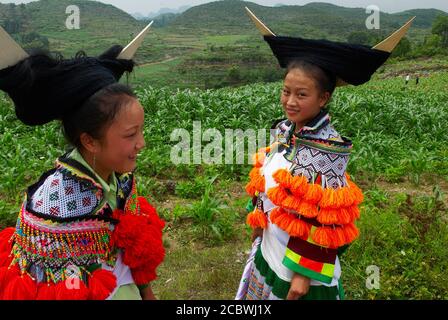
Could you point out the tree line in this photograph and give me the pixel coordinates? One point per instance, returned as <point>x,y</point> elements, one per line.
<point>435,43</point>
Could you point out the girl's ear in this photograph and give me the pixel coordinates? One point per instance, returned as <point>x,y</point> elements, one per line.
<point>89,143</point>
<point>324,99</point>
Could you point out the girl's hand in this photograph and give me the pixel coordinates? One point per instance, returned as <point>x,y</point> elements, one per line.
<point>147,293</point>
<point>299,287</point>
<point>257,232</point>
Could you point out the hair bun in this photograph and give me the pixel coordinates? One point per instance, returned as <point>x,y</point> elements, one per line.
<point>112,52</point>
<point>44,88</point>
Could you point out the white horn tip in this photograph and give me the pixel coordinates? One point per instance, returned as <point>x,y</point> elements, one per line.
<point>265,31</point>
<point>129,51</point>
<point>11,53</point>
<point>389,44</point>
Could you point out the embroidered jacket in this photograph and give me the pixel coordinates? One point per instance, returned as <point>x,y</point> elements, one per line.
<point>65,230</point>
<point>314,201</point>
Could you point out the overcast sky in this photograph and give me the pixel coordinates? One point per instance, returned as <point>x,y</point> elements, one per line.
<point>147,6</point>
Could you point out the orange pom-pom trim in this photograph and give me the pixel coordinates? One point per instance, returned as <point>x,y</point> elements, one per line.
<point>283,178</point>
<point>291,203</point>
<point>330,206</point>
<point>334,216</point>
<point>257,219</point>
<point>356,192</point>
<point>350,232</point>
<point>334,237</point>
<point>259,157</point>
<point>314,193</point>
<point>354,212</point>
<point>299,186</point>
<point>277,195</point>
<point>290,223</point>
<point>256,182</point>
<point>340,206</point>
<point>307,209</point>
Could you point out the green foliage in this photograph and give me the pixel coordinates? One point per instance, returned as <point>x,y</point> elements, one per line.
<point>403,236</point>
<point>192,189</point>
<point>360,37</point>
<point>153,188</point>
<point>403,48</point>
<point>212,219</point>
<point>101,25</point>
<point>229,65</point>
<point>398,132</point>
<point>11,26</point>
<point>33,40</point>
<point>440,27</point>
<point>8,214</point>
<point>164,19</point>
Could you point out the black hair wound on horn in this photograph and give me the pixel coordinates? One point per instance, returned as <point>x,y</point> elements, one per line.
<point>352,63</point>
<point>44,88</point>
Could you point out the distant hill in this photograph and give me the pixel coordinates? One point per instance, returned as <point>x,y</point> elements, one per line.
<point>311,20</point>
<point>167,10</point>
<point>163,19</point>
<point>425,17</point>
<point>103,24</point>
<point>161,12</point>
<point>210,45</point>
<point>100,24</point>
<point>138,16</point>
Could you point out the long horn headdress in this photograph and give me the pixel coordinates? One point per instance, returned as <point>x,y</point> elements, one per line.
<point>387,45</point>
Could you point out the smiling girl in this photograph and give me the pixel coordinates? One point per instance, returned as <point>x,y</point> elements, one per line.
<point>304,140</point>
<point>306,91</point>
<point>304,204</point>
<point>82,231</point>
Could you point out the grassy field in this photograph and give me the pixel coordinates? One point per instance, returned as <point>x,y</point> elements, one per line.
<point>399,159</point>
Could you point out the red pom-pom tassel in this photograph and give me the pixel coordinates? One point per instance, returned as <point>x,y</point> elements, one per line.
<point>71,289</point>
<point>140,237</point>
<point>5,237</point>
<point>46,291</point>
<point>101,284</point>
<point>144,275</point>
<point>19,287</point>
<point>5,259</point>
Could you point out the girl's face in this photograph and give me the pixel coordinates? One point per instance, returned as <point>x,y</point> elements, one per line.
<point>118,148</point>
<point>301,98</point>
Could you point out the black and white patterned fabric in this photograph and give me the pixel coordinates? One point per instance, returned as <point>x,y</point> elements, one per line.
<point>331,166</point>
<point>326,155</point>
<point>64,196</point>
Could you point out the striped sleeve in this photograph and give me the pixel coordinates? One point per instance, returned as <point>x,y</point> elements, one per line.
<point>310,260</point>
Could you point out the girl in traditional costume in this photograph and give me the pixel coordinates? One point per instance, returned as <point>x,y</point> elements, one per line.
<point>304,204</point>
<point>82,231</point>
